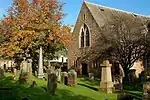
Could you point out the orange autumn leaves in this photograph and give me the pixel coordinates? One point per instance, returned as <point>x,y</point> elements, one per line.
<point>31,20</point>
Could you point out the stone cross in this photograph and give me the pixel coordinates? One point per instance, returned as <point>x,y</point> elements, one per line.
<point>106,83</point>
<point>40,68</point>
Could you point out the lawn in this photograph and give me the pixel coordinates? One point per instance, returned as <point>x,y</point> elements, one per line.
<point>39,92</point>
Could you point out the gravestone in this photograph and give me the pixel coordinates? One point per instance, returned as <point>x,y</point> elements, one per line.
<point>1,72</point>
<point>146,89</point>
<point>132,76</point>
<point>58,73</point>
<point>91,76</point>
<point>24,66</point>
<point>124,96</point>
<point>118,78</point>
<point>72,78</point>
<point>52,83</point>
<point>64,78</point>
<point>106,84</point>
<point>40,67</point>
<point>14,73</point>
<point>30,66</point>
<point>33,84</point>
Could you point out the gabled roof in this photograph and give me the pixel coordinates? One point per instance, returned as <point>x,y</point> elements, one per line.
<point>102,13</point>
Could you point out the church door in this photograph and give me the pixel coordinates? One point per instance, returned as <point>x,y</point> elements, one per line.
<point>84,69</point>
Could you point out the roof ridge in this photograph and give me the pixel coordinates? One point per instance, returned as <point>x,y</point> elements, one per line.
<point>116,9</point>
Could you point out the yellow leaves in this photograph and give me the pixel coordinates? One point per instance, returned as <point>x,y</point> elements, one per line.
<point>34,23</point>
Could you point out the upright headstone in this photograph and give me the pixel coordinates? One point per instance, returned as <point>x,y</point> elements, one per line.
<point>91,76</point>
<point>24,66</point>
<point>146,89</point>
<point>72,78</point>
<point>40,68</point>
<point>64,78</point>
<point>1,72</point>
<point>30,66</point>
<point>106,83</point>
<point>58,73</point>
<point>14,73</point>
<point>52,83</point>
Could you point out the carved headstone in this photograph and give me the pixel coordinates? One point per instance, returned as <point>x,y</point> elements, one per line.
<point>132,76</point>
<point>146,88</point>
<point>72,78</point>
<point>64,78</point>
<point>52,83</point>
<point>1,72</point>
<point>91,76</point>
<point>30,66</point>
<point>33,84</point>
<point>14,73</point>
<point>24,66</point>
<point>58,73</point>
<point>106,83</point>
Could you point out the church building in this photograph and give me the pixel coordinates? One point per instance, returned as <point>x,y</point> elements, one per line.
<point>89,40</point>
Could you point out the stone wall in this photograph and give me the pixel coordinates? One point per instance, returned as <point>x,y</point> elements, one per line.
<point>74,51</point>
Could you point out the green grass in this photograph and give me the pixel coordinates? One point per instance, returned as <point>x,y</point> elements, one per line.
<point>83,91</point>
<point>38,93</point>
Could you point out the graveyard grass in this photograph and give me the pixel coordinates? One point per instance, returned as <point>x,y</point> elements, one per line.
<point>39,92</point>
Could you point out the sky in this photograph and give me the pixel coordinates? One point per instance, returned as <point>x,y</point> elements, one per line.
<point>72,7</point>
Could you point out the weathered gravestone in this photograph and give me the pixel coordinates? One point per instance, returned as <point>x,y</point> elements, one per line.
<point>64,78</point>
<point>118,78</point>
<point>25,72</point>
<point>124,96</point>
<point>132,76</point>
<point>1,72</point>
<point>14,73</point>
<point>24,66</point>
<point>52,83</point>
<point>72,78</point>
<point>33,84</point>
<point>29,66</point>
<point>106,83</point>
<point>91,76</point>
<point>146,89</point>
<point>58,73</point>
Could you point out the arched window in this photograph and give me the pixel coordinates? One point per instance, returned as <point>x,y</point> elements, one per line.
<point>87,37</point>
<point>82,38</point>
<point>148,26</point>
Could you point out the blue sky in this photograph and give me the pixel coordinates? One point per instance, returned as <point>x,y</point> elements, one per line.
<point>72,7</point>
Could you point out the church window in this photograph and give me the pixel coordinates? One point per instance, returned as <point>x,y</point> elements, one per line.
<point>84,17</point>
<point>85,36</point>
<point>148,27</point>
<point>82,38</point>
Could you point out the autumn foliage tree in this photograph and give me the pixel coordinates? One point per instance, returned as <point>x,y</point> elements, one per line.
<point>31,24</point>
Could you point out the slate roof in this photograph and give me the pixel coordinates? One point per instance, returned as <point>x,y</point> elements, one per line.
<point>102,13</point>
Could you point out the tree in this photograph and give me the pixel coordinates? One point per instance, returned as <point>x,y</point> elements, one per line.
<point>34,23</point>
<point>127,41</point>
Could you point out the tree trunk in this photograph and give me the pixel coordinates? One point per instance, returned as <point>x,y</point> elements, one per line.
<point>126,72</point>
